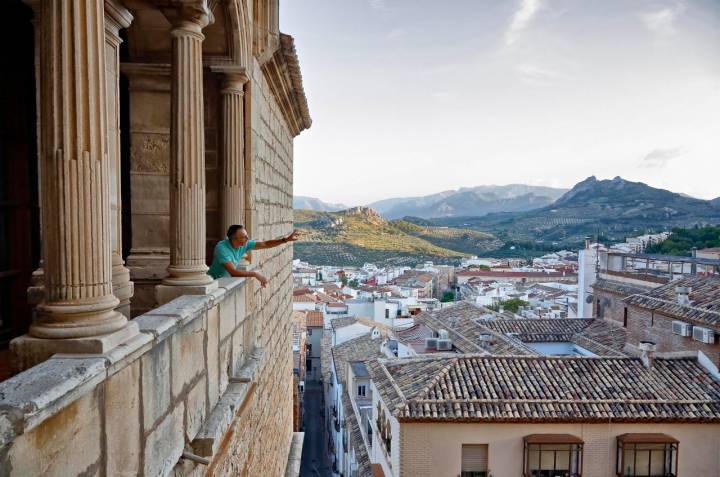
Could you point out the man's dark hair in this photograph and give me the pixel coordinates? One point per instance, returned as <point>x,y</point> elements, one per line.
<point>234,228</point>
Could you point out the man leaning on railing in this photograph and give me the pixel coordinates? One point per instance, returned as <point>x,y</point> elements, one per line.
<point>229,252</point>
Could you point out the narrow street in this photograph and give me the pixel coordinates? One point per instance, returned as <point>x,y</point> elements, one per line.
<point>314,462</point>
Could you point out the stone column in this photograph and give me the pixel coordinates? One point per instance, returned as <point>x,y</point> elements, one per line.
<point>232,191</point>
<point>77,313</point>
<point>187,272</point>
<point>116,17</point>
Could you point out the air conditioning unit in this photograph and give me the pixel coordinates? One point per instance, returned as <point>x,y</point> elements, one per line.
<point>431,343</point>
<point>681,328</point>
<point>444,345</point>
<point>443,334</point>
<point>703,334</point>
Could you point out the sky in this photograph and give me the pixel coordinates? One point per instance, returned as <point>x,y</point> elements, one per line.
<point>413,97</point>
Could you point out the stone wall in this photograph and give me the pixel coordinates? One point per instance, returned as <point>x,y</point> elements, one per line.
<point>211,375</point>
<point>263,434</point>
<point>175,387</point>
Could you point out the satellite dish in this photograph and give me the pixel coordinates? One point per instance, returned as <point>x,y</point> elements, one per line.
<point>589,299</point>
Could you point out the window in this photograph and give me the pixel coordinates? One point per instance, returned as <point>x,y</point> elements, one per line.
<point>308,365</point>
<point>474,460</point>
<point>551,455</point>
<point>625,318</point>
<point>646,455</point>
<point>387,313</point>
<point>308,348</point>
<point>309,331</point>
<point>361,390</point>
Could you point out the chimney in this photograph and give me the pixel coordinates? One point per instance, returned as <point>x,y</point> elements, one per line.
<point>683,295</point>
<point>587,243</point>
<point>694,252</point>
<point>647,353</point>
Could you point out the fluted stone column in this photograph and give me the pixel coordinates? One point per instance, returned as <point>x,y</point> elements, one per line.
<point>232,191</point>
<point>187,272</point>
<point>78,310</point>
<point>116,17</point>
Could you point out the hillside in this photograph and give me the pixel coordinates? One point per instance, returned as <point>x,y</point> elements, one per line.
<point>311,203</point>
<point>360,235</point>
<point>616,208</point>
<point>474,201</point>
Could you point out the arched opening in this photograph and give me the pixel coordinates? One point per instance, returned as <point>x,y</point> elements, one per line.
<point>19,212</point>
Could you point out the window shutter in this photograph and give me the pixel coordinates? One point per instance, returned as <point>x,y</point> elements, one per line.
<point>475,458</point>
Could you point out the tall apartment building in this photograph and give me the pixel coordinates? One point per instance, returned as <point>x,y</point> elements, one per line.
<point>153,125</point>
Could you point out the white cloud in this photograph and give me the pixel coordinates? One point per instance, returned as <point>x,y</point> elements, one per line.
<point>536,75</point>
<point>521,19</point>
<point>658,158</point>
<point>662,22</point>
<point>378,4</point>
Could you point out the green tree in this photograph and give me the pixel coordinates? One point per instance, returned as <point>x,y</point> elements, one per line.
<point>354,283</point>
<point>448,296</point>
<point>513,305</point>
<point>682,241</point>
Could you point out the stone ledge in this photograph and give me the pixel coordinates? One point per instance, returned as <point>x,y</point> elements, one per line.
<point>295,455</point>
<point>29,398</point>
<point>208,439</point>
<point>184,308</point>
<point>120,356</point>
<point>230,283</point>
<point>248,373</point>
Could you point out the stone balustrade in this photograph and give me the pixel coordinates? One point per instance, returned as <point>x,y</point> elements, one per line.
<point>178,386</point>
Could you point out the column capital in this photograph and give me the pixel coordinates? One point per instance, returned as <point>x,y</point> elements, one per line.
<point>186,15</point>
<point>233,78</point>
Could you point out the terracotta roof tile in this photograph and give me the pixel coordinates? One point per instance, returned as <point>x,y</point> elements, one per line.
<point>546,389</point>
<point>314,318</point>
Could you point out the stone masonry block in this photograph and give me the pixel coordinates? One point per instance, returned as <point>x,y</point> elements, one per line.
<point>212,351</point>
<point>164,445</point>
<point>225,365</point>
<point>68,443</point>
<point>195,409</point>
<point>227,315</point>
<point>155,366</point>
<point>188,355</point>
<point>122,422</point>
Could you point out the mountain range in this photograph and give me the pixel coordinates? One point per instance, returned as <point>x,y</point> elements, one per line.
<point>469,201</point>
<point>311,203</point>
<point>615,209</point>
<point>466,201</point>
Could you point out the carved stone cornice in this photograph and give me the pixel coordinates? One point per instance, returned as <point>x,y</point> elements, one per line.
<point>282,72</point>
<point>117,16</point>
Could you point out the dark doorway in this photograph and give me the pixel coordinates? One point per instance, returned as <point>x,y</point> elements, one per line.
<point>19,212</point>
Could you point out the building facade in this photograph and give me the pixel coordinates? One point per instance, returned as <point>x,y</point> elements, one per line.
<point>153,125</point>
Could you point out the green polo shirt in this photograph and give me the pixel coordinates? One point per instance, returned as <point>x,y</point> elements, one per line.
<point>224,253</point>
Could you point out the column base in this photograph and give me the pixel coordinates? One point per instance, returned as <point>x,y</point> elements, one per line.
<point>28,350</point>
<point>166,293</point>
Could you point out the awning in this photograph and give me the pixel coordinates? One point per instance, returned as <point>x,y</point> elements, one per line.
<point>647,438</point>
<point>552,439</point>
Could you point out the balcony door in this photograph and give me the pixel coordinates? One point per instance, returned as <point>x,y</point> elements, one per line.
<point>19,223</point>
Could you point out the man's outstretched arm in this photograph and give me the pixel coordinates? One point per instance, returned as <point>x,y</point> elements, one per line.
<point>234,272</point>
<point>274,243</point>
